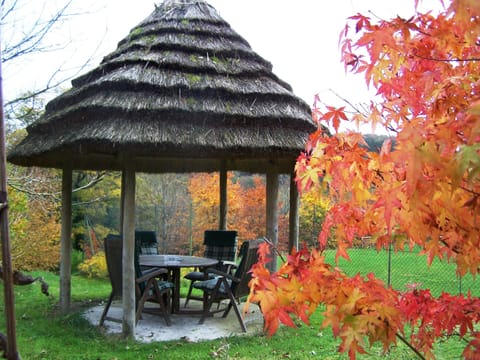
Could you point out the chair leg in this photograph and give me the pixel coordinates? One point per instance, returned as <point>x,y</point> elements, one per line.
<point>212,297</point>
<point>233,303</point>
<point>167,301</point>
<point>105,310</point>
<point>165,307</point>
<point>206,310</point>
<point>140,305</point>
<point>227,309</point>
<point>159,298</point>
<point>187,299</point>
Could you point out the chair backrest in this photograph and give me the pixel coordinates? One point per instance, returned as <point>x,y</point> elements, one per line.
<point>113,255</point>
<point>248,257</point>
<point>113,245</point>
<point>220,244</point>
<point>147,242</point>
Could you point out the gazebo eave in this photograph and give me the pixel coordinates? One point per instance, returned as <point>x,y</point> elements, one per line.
<point>173,164</point>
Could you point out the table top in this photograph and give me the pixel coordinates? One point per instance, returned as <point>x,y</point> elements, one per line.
<point>176,261</point>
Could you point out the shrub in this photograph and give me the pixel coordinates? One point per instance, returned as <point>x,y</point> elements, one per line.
<point>34,232</point>
<point>95,267</point>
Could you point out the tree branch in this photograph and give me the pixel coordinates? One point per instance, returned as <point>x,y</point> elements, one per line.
<point>32,40</point>
<point>447,60</point>
<point>410,346</point>
<point>99,177</point>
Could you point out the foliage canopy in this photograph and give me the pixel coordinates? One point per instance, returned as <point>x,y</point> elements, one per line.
<point>424,192</point>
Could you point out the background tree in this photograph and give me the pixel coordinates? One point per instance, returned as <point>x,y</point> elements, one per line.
<point>204,191</point>
<point>313,207</point>
<point>375,142</point>
<point>23,41</point>
<point>95,206</point>
<point>34,220</point>
<point>246,206</point>
<point>36,189</point>
<point>425,192</point>
<point>164,205</point>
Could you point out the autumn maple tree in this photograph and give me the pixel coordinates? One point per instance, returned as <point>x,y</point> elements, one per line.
<point>424,191</point>
<point>246,205</point>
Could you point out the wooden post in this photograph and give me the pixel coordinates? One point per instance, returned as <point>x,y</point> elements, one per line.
<point>66,241</point>
<point>128,232</point>
<point>293,214</point>
<point>272,213</point>
<point>122,201</point>
<point>222,225</point>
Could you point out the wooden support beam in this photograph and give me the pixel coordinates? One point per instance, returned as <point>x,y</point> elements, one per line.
<point>222,225</point>
<point>293,222</point>
<point>66,241</point>
<point>128,233</point>
<point>272,213</point>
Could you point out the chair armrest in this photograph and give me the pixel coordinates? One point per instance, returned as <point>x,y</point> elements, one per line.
<point>231,264</point>
<point>228,266</point>
<point>153,273</point>
<point>221,274</point>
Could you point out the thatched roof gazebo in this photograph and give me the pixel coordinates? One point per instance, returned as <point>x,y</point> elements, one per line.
<point>182,92</point>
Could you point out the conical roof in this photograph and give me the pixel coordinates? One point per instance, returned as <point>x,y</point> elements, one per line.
<point>181,92</point>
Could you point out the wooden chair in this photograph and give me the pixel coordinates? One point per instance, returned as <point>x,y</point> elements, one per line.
<point>148,287</point>
<point>228,287</point>
<point>147,241</point>
<point>220,245</point>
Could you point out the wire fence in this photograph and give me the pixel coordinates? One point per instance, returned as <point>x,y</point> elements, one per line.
<point>404,269</point>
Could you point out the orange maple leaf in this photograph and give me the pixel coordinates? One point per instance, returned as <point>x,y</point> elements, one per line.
<point>336,115</point>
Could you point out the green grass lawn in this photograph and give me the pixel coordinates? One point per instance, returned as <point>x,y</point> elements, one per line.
<point>44,334</point>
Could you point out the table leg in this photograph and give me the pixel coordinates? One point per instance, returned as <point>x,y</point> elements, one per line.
<point>205,295</point>
<point>176,290</point>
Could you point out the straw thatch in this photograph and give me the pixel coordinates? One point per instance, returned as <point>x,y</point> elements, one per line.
<point>182,92</point>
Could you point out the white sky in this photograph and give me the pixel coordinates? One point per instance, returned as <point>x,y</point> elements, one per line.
<point>300,39</point>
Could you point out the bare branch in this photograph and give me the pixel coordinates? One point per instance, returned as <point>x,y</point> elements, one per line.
<point>27,185</point>
<point>354,107</point>
<point>99,177</point>
<point>34,193</point>
<point>33,39</point>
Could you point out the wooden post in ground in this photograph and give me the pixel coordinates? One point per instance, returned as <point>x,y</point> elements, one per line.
<point>223,197</point>
<point>128,234</point>
<point>293,214</point>
<point>272,213</point>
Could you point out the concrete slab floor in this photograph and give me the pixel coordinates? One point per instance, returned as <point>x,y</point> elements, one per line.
<point>152,328</point>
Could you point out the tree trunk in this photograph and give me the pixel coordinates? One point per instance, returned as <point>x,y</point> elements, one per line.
<point>9,298</point>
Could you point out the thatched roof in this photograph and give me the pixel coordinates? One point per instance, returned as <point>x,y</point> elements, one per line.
<point>181,92</point>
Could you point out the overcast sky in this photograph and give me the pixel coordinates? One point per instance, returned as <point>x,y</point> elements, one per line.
<point>300,38</point>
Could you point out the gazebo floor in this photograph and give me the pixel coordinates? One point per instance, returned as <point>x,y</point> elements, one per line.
<point>152,328</point>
